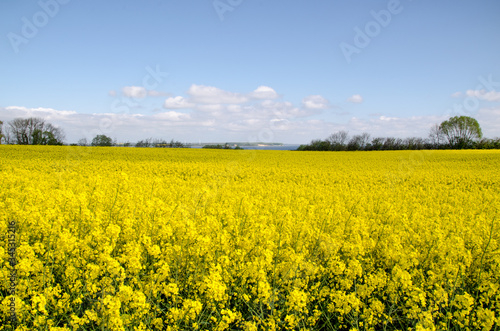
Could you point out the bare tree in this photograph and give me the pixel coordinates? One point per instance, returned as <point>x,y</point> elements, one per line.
<point>364,139</point>
<point>83,142</point>
<point>338,140</point>
<point>20,131</point>
<point>409,143</point>
<point>354,143</point>
<point>420,143</point>
<point>145,143</point>
<point>34,131</point>
<point>390,143</point>
<point>436,136</point>
<point>358,142</point>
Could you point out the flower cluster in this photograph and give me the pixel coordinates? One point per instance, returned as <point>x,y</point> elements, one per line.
<point>177,239</point>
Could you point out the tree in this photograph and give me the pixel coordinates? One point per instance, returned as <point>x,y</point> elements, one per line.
<point>355,143</point>
<point>358,142</point>
<point>35,131</point>
<point>144,143</point>
<point>389,143</point>
<point>377,143</point>
<point>83,142</point>
<point>436,136</point>
<point>338,140</point>
<point>1,135</point>
<point>461,131</point>
<point>320,145</point>
<point>102,140</point>
<point>364,139</point>
<point>178,144</point>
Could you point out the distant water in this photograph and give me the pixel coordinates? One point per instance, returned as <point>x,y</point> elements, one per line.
<point>269,148</point>
<point>273,148</point>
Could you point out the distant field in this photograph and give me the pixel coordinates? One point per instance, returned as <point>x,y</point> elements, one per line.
<point>177,239</point>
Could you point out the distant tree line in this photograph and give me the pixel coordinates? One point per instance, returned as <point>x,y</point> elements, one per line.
<point>160,143</point>
<point>219,146</point>
<point>105,141</point>
<point>36,131</point>
<point>459,132</point>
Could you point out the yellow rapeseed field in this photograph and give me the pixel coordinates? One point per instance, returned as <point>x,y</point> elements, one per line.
<point>192,239</point>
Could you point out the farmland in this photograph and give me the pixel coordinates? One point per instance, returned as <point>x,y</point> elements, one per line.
<point>140,239</point>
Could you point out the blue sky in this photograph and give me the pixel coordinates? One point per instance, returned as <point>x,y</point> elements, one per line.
<point>242,70</point>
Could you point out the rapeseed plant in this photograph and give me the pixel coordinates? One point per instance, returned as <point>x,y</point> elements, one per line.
<point>155,239</point>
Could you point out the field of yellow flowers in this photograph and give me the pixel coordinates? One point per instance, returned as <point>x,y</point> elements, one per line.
<point>192,239</point>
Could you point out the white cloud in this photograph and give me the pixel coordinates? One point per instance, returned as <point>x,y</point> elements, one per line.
<point>235,108</point>
<point>211,114</point>
<point>356,98</point>
<point>138,92</point>
<point>134,92</point>
<point>483,95</point>
<point>112,93</point>
<point>457,95</point>
<point>212,108</point>
<point>177,103</point>
<point>281,121</point>
<point>489,119</point>
<point>214,95</point>
<point>284,109</point>
<point>386,118</point>
<point>315,102</point>
<point>172,116</point>
<point>225,106</point>
<point>280,124</point>
<point>393,126</point>
<point>47,113</point>
<point>264,92</point>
